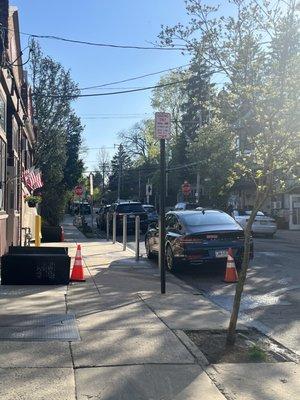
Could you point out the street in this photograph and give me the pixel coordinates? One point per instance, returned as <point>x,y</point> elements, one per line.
<point>272,292</point>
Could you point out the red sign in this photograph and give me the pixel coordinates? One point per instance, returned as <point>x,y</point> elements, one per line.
<point>186,188</point>
<point>78,190</point>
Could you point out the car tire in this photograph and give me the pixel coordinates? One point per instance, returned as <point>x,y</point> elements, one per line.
<point>171,263</point>
<point>149,253</point>
<point>238,264</point>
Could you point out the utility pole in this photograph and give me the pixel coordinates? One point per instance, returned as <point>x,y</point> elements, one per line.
<point>120,171</point>
<point>103,174</point>
<point>198,187</point>
<point>139,184</point>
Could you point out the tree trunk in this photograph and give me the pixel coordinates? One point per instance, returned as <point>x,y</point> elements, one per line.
<point>231,334</point>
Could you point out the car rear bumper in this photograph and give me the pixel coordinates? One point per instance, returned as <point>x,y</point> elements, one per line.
<point>264,229</point>
<point>209,255</point>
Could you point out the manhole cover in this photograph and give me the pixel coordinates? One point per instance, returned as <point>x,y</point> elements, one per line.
<point>39,327</point>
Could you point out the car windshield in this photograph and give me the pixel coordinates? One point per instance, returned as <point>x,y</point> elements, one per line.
<point>206,218</point>
<point>128,208</point>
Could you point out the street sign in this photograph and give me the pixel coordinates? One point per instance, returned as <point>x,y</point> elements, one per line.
<point>162,125</point>
<point>148,189</point>
<point>78,190</point>
<point>186,188</point>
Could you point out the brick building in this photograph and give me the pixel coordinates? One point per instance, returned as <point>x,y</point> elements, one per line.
<point>17,134</point>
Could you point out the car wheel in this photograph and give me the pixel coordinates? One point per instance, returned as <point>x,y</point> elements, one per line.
<point>238,264</point>
<point>149,253</point>
<point>170,260</point>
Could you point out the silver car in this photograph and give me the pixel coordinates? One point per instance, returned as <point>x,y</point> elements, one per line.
<point>262,224</point>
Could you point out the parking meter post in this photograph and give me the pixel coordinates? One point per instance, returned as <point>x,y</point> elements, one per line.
<point>107,226</point>
<point>162,227</point>
<point>114,232</point>
<point>124,232</point>
<point>37,232</point>
<point>137,237</point>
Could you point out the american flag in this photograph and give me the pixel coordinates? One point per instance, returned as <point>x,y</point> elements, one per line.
<point>32,178</point>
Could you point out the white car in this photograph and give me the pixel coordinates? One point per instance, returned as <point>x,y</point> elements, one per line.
<point>262,224</point>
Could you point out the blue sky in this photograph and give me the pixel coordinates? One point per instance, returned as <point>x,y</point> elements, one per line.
<point>134,22</point>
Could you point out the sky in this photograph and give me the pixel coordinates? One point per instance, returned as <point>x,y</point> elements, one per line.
<point>128,22</point>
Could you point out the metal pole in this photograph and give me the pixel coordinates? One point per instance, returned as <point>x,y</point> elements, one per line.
<point>198,187</point>
<point>114,232</point>
<point>119,173</point>
<point>162,227</point>
<point>107,226</point>
<point>124,232</point>
<point>137,238</point>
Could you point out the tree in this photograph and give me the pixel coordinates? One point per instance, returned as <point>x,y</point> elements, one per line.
<point>74,165</point>
<point>121,164</point>
<point>140,143</point>
<point>59,131</point>
<point>257,50</point>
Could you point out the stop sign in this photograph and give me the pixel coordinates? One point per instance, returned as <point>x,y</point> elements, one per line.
<point>78,190</point>
<point>186,188</point>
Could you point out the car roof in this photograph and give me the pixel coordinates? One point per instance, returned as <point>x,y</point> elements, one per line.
<point>192,212</point>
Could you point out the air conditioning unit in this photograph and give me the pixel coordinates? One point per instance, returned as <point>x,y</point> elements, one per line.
<point>276,205</point>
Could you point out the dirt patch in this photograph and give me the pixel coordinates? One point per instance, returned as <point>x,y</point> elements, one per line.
<point>251,346</point>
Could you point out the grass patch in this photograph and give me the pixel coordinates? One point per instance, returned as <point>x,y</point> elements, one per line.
<point>255,353</point>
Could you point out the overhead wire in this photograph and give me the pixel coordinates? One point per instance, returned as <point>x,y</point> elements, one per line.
<point>110,93</point>
<point>134,78</point>
<point>111,45</point>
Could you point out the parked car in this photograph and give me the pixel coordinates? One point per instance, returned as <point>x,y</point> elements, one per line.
<point>185,206</point>
<point>131,209</point>
<point>262,224</point>
<point>198,237</point>
<point>151,212</point>
<point>101,216</point>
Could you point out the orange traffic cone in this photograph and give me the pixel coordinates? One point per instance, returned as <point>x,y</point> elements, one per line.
<point>77,271</point>
<point>231,275</point>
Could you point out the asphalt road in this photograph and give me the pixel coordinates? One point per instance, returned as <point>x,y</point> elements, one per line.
<point>271,299</point>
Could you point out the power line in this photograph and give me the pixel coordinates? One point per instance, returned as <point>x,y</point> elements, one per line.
<point>112,45</point>
<point>134,78</point>
<point>110,93</point>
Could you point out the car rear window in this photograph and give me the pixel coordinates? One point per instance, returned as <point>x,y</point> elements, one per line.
<point>149,209</point>
<point>128,208</point>
<point>207,218</point>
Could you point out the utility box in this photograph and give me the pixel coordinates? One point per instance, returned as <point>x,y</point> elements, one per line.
<point>35,266</point>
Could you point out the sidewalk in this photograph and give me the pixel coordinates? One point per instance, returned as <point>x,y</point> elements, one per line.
<point>132,346</point>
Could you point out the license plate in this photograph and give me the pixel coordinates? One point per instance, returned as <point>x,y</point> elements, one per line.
<point>131,216</point>
<point>221,253</point>
<point>264,222</point>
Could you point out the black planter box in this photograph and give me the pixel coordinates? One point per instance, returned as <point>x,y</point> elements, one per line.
<point>35,266</point>
<point>52,233</point>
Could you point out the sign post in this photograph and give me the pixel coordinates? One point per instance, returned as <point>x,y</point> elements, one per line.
<point>162,132</point>
<point>148,191</point>
<point>92,197</point>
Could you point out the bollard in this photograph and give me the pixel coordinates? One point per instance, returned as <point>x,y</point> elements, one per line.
<point>107,226</point>
<point>37,232</point>
<point>114,232</point>
<point>124,231</point>
<point>137,238</point>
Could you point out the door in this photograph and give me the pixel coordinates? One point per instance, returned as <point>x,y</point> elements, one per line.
<point>294,211</point>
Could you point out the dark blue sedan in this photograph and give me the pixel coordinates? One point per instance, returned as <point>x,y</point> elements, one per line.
<point>197,237</point>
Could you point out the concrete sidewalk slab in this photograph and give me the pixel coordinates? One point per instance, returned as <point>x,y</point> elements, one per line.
<point>37,384</point>
<point>129,346</point>
<point>119,281</point>
<point>127,316</point>
<point>25,291</point>
<point>32,306</point>
<point>34,354</point>
<point>139,382</point>
<point>261,381</point>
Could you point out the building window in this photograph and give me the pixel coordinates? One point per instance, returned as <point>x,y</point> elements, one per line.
<point>2,173</point>
<point>2,114</point>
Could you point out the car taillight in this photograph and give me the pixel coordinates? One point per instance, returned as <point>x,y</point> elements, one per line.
<point>189,239</point>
